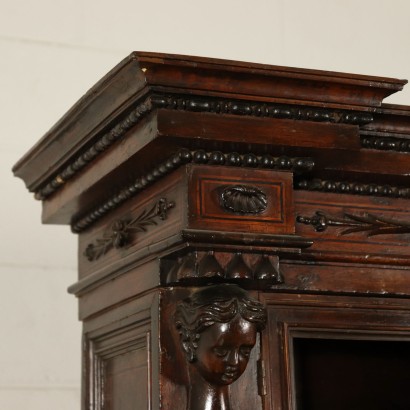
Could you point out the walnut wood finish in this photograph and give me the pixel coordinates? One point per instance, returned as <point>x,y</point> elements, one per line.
<point>185,177</point>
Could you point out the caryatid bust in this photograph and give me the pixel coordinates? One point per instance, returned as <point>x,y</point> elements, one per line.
<point>218,327</point>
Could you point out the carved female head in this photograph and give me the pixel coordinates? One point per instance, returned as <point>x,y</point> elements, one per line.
<point>218,326</point>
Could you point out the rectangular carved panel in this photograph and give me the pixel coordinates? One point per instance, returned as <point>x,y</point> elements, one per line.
<point>238,199</point>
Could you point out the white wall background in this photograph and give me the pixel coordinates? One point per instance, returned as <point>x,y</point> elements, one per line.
<point>52,51</point>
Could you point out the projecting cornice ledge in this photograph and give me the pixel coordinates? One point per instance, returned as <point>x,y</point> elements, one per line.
<point>119,100</point>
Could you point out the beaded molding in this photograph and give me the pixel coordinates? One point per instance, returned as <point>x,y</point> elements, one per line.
<point>108,139</point>
<point>353,188</point>
<point>385,143</point>
<point>197,104</point>
<point>257,109</point>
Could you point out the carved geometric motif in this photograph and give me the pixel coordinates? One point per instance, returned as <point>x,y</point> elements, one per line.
<point>223,267</point>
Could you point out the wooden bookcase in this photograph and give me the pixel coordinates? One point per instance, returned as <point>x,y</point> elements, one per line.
<point>186,178</point>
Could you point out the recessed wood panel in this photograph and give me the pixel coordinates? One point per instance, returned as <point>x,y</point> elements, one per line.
<point>118,356</point>
<point>272,188</point>
<point>126,381</point>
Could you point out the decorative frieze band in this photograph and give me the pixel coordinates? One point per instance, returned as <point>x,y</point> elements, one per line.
<point>206,265</point>
<point>185,156</point>
<point>353,188</point>
<point>370,224</point>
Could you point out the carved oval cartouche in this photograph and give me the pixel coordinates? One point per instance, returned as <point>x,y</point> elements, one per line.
<point>244,199</point>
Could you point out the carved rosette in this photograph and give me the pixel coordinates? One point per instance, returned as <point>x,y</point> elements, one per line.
<point>243,199</point>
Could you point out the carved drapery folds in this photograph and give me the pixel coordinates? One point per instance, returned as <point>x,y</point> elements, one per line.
<point>218,326</point>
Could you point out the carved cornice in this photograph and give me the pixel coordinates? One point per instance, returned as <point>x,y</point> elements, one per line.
<point>385,143</point>
<point>370,224</point>
<point>197,104</point>
<point>353,188</point>
<point>121,230</point>
<point>107,139</point>
<point>185,156</point>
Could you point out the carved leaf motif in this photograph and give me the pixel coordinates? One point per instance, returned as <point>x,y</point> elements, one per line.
<point>244,199</point>
<point>121,230</point>
<point>372,225</point>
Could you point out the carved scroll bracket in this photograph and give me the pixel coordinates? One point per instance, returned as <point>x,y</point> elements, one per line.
<point>121,229</point>
<point>370,224</point>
